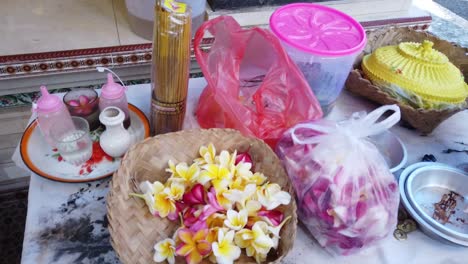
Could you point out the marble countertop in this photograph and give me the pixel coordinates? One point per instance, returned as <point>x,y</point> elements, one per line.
<point>66,223</point>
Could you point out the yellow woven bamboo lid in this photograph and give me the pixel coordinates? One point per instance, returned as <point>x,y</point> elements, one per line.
<point>417,68</point>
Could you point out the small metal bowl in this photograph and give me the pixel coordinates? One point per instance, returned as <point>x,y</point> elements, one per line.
<point>392,149</point>
<point>423,225</point>
<point>426,186</point>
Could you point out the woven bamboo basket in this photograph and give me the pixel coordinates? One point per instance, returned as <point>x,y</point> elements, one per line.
<point>423,120</point>
<point>134,231</point>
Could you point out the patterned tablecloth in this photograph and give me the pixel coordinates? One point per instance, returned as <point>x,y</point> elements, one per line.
<point>66,223</point>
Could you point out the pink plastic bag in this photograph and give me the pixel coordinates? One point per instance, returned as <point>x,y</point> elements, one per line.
<point>253,86</point>
<point>347,197</point>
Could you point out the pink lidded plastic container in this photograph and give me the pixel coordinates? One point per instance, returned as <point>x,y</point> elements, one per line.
<point>323,42</point>
<point>113,94</point>
<point>51,111</point>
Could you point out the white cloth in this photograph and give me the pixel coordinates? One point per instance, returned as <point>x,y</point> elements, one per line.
<point>66,222</point>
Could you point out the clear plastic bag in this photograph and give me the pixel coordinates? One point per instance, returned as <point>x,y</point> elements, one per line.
<point>253,86</point>
<point>347,197</point>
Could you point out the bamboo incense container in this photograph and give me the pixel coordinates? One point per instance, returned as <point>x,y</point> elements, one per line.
<point>170,65</point>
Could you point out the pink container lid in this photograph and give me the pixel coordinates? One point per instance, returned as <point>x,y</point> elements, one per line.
<point>318,29</point>
<point>112,90</point>
<point>48,103</point>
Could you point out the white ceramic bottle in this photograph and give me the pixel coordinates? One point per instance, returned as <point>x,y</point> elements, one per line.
<point>115,140</point>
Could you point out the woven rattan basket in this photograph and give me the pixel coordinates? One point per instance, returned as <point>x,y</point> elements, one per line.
<point>134,231</point>
<point>421,119</point>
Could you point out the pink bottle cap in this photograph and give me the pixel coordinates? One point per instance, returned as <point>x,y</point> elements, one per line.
<point>318,29</point>
<point>48,103</point>
<point>112,90</point>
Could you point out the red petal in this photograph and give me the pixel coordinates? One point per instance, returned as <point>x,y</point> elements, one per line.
<point>195,196</point>
<point>243,157</point>
<point>275,216</point>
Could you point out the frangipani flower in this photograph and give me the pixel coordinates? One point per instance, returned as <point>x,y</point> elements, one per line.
<point>193,245</point>
<point>275,231</point>
<point>212,207</point>
<point>165,250</point>
<point>149,189</point>
<point>236,220</point>
<point>219,176</point>
<point>224,249</point>
<point>196,195</point>
<point>175,191</point>
<point>273,217</point>
<point>188,175</point>
<point>243,157</point>
<point>258,178</point>
<point>243,170</point>
<point>226,160</point>
<point>257,242</point>
<point>271,196</point>
<point>240,197</point>
<point>166,206</point>
<point>207,155</point>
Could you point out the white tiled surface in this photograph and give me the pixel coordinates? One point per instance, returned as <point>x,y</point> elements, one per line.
<point>28,26</point>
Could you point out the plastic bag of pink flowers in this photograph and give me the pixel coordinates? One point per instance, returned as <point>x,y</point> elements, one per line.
<point>346,195</point>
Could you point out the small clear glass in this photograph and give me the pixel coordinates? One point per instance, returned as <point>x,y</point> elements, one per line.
<point>74,145</point>
<point>84,102</point>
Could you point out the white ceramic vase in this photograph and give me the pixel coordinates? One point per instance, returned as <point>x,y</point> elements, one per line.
<point>115,140</point>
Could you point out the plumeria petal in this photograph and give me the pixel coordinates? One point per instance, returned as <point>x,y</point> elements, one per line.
<point>226,160</point>
<point>196,195</point>
<point>274,217</point>
<point>240,197</point>
<point>271,196</point>
<point>243,157</point>
<point>193,245</point>
<point>165,250</point>
<point>224,249</point>
<point>207,154</point>
<point>185,235</point>
<point>175,191</point>
<point>236,220</point>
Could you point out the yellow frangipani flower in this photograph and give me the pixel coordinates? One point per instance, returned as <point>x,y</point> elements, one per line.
<point>258,178</point>
<point>271,196</point>
<point>207,154</point>
<point>175,191</point>
<point>215,220</point>
<point>236,220</point>
<point>220,177</point>
<point>165,250</point>
<point>256,241</point>
<point>240,197</point>
<point>242,170</point>
<point>224,249</point>
<point>188,175</point>
<point>164,205</point>
<point>149,190</point>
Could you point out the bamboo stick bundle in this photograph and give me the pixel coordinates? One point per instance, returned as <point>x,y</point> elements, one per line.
<point>170,66</point>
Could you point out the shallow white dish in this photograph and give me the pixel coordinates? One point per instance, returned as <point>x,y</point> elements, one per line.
<point>392,149</point>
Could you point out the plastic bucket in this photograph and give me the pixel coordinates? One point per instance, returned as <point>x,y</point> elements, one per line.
<point>323,42</point>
